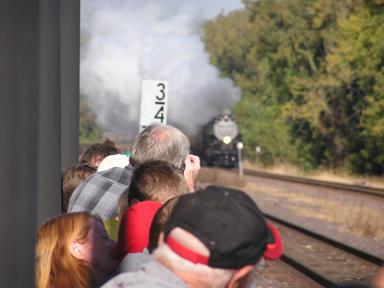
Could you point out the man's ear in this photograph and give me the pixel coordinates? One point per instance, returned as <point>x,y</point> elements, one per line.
<point>161,239</point>
<point>240,277</point>
<point>76,249</point>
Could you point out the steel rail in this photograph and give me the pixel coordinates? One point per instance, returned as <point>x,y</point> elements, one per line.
<point>346,248</point>
<point>312,274</point>
<point>334,185</point>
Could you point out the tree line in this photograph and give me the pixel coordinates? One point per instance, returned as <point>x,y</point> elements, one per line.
<point>90,130</point>
<point>312,80</point>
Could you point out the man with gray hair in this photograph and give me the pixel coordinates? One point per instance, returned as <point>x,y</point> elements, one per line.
<point>99,193</point>
<point>212,238</point>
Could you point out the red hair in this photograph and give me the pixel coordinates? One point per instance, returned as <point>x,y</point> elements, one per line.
<point>54,264</point>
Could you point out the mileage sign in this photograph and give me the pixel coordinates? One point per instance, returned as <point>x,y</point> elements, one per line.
<point>154,100</point>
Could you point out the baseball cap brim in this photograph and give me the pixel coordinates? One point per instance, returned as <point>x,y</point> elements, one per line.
<point>273,251</point>
<point>274,248</point>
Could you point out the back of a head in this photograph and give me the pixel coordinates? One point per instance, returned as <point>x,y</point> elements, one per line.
<point>52,256</point>
<point>228,223</point>
<point>71,178</point>
<point>158,222</point>
<point>95,153</point>
<point>109,146</point>
<point>156,181</point>
<point>161,142</point>
<point>215,237</point>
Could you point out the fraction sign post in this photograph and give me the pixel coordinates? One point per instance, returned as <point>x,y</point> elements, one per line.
<point>154,98</point>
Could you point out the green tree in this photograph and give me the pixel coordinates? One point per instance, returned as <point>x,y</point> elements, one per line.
<point>311,73</point>
<point>267,49</point>
<point>89,129</point>
<point>361,49</point>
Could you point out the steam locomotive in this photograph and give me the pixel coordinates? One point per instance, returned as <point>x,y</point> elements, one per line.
<point>219,141</point>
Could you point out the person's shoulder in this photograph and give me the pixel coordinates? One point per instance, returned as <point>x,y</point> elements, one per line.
<point>89,185</point>
<point>76,196</point>
<point>133,261</point>
<point>93,188</point>
<point>139,279</point>
<point>115,175</point>
<point>118,174</point>
<point>151,275</point>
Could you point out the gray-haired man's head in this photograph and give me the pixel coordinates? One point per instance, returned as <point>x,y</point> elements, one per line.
<point>161,142</point>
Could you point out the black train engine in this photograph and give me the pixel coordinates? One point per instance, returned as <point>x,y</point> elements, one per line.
<point>219,143</point>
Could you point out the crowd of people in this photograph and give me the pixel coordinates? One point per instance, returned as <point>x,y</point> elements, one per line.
<point>171,234</point>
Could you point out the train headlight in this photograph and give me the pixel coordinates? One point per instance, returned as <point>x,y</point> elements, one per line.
<point>227,139</point>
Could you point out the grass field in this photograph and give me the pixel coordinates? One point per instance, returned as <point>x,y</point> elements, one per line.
<point>322,174</point>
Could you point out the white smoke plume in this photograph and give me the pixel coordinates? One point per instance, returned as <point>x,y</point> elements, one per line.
<point>126,41</point>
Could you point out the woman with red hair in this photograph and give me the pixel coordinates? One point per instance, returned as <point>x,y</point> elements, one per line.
<point>73,250</point>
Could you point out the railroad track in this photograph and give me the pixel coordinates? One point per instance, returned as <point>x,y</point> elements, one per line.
<point>334,185</point>
<point>322,262</point>
<point>325,261</point>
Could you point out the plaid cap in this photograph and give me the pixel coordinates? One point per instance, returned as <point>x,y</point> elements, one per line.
<point>228,223</point>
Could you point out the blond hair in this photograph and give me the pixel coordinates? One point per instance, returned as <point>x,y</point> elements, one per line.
<point>54,264</point>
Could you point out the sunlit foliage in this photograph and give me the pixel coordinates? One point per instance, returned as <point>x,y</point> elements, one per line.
<point>312,77</point>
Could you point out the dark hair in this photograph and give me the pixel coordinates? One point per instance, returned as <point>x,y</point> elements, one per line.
<point>71,178</point>
<point>158,222</point>
<point>98,151</point>
<point>156,181</point>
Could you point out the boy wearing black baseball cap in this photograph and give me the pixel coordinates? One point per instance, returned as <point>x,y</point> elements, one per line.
<point>213,238</point>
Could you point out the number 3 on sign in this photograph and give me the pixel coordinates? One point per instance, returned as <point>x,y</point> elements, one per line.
<point>162,92</point>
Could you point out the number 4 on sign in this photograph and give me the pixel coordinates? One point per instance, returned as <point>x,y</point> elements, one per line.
<point>160,114</point>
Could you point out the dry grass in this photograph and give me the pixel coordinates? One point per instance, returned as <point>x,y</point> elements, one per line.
<point>326,175</point>
<point>360,220</point>
<point>356,219</point>
<point>353,217</point>
<point>220,177</point>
